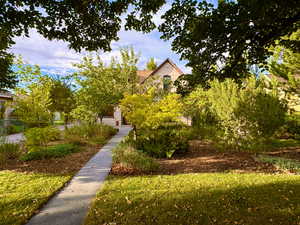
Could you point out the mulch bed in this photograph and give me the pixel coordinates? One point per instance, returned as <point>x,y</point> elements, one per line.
<point>202,157</point>
<point>69,164</point>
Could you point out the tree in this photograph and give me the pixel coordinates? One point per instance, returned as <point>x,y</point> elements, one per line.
<point>62,99</point>
<point>8,78</point>
<point>89,25</point>
<point>102,86</point>
<point>221,42</point>
<point>32,99</point>
<point>285,63</point>
<point>151,65</point>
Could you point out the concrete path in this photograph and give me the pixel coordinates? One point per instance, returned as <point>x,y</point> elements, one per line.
<point>70,206</point>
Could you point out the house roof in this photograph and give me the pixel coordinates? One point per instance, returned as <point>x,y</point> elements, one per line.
<point>6,94</point>
<point>145,74</point>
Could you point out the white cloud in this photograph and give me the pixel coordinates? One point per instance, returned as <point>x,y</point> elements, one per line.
<point>56,54</point>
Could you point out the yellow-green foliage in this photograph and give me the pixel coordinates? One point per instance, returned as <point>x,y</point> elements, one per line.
<point>157,123</point>
<point>41,136</point>
<point>246,114</point>
<point>145,111</point>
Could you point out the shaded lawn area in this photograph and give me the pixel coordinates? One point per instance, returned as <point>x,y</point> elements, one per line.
<point>26,186</point>
<point>204,198</point>
<point>21,194</point>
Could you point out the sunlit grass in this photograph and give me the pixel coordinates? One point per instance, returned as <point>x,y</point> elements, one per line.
<point>22,194</point>
<point>212,198</point>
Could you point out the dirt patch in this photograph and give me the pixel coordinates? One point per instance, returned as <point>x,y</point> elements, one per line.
<point>69,164</point>
<point>202,157</point>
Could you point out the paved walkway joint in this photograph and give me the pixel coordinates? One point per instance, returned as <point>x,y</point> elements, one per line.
<point>70,206</point>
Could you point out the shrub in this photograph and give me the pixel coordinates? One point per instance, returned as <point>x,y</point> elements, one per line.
<point>9,151</point>
<point>129,157</point>
<point>41,136</point>
<point>89,132</point>
<point>13,129</point>
<point>164,142</point>
<point>293,126</point>
<point>56,151</point>
<point>245,116</point>
<point>157,123</point>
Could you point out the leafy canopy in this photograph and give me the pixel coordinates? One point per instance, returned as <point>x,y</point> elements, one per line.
<point>88,25</point>
<point>102,86</point>
<point>151,64</point>
<point>220,42</point>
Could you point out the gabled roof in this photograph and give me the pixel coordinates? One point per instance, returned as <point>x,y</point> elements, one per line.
<point>6,94</point>
<point>145,74</point>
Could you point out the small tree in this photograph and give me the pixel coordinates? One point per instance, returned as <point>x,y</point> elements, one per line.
<point>102,86</point>
<point>151,65</point>
<point>62,99</point>
<point>32,100</point>
<point>156,121</point>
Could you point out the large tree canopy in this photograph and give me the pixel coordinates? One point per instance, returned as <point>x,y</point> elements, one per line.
<point>89,25</point>
<point>217,41</point>
<point>223,41</point>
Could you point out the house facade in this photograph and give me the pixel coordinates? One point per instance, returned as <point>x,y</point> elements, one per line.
<point>166,74</point>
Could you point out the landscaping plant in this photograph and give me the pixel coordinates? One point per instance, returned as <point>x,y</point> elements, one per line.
<point>158,129</point>
<point>130,158</point>
<point>9,151</point>
<point>41,136</point>
<point>55,151</point>
<point>83,133</point>
<point>245,115</point>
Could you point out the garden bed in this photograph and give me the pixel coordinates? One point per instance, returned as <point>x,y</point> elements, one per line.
<point>202,157</point>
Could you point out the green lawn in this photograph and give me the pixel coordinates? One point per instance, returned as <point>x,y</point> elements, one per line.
<point>212,198</point>
<point>22,194</point>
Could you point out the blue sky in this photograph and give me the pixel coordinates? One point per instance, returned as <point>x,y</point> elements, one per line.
<point>56,57</point>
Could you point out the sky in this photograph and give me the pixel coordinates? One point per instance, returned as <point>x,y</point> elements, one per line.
<point>55,57</point>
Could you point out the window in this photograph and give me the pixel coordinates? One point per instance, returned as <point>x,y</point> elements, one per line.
<point>167,82</point>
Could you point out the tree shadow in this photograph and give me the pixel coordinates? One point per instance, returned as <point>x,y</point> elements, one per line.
<point>163,200</point>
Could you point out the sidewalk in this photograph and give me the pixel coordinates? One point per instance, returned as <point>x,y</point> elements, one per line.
<point>70,206</point>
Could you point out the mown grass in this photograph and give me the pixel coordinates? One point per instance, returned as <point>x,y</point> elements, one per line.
<point>212,198</point>
<point>22,194</point>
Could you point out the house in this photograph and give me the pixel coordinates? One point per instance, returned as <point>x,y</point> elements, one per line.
<point>166,73</point>
<point>5,96</point>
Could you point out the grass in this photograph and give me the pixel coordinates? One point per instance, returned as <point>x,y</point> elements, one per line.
<point>281,163</point>
<point>212,198</point>
<point>22,194</point>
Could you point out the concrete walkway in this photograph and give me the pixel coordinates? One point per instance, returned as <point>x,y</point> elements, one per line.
<point>70,206</point>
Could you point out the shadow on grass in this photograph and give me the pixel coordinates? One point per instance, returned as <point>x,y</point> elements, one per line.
<point>198,199</point>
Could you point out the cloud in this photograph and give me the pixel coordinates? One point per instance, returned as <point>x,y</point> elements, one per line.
<point>55,56</point>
